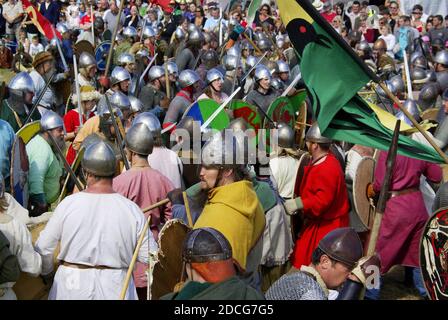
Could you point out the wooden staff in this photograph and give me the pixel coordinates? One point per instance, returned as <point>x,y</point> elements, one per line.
<point>139,244</point>
<point>252,43</point>
<point>384,193</point>
<point>167,80</point>
<point>414,122</point>
<point>114,35</point>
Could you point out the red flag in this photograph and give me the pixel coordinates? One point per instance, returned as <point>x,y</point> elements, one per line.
<point>42,24</point>
<point>164,4</point>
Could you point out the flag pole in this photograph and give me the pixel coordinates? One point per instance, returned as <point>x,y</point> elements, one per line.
<point>380,208</point>
<point>414,122</point>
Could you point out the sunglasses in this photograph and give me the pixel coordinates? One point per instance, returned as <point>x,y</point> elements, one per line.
<point>416,12</point>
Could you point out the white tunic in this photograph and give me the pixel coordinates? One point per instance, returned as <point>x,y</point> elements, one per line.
<point>20,243</point>
<point>284,169</point>
<point>39,85</point>
<point>94,230</point>
<point>168,163</point>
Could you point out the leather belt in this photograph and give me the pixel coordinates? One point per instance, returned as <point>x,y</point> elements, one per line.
<point>83,266</point>
<point>402,192</point>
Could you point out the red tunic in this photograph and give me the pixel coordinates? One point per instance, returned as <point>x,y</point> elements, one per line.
<point>325,206</point>
<point>71,122</point>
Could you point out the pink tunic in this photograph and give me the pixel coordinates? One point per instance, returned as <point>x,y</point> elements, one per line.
<point>145,187</point>
<point>405,215</point>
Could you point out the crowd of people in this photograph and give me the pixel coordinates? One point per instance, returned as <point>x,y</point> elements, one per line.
<point>279,230</point>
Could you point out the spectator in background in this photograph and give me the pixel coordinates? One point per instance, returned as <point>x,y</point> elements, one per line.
<point>50,9</point>
<point>389,38</point>
<point>418,21</point>
<point>263,19</point>
<point>132,19</point>
<point>337,23</point>
<point>394,9</point>
<point>327,12</point>
<point>354,13</point>
<point>385,13</point>
<point>23,42</point>
<point>429,26</point>
<point>110,16</point>
<point>439,31</point>
<point>339,9</point>
<point>13,14</point>
<point>190,14</point>
<point>212,23</point>
<point>200,18</point>
<point>72,15</point>
<point>35,47</point>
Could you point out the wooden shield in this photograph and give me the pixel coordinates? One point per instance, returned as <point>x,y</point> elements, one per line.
<point>19,172</point>
<point>101,53</point>
<point>301,126</point>
<point>430,114</point>
<point>364,175</point>
<point>434,255</point>
<point>167,271</point>
<point>84,46</point>
<point>28,131</point>
<point>296,220</point>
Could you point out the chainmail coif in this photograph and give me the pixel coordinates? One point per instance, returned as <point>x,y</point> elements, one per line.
<point>295,286</point>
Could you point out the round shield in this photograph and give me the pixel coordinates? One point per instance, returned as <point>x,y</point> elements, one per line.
<point>101,53</point>
<point>167,272</point>
<point>202,110</point>
<point>19,172</point>
<point>281,110</point>
<point>299,103</point>
<point>434,255</point>
<point>28,131</point>
<point>84,46</point>
<point>296,220</point>
<point>242,109</point>
<point>363,177</point>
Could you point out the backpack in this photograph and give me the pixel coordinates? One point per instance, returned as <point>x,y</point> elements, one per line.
<point>9,264</point>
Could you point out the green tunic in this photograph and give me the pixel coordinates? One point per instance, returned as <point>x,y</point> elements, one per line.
<point>7,114</point>
<point>45,169</point>
<point>231,289</point>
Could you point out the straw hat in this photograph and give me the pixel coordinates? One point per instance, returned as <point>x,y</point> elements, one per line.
<point>88,93</point>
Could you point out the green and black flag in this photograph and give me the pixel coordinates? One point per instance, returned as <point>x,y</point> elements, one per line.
<point>333,75</point>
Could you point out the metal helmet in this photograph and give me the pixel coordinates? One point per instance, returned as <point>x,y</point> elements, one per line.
<point>230,62</point>
<point>364,47</point>
<point>136,104</point>
<point>431,75</point>
<point>21,83</point>
<point>98,23</point>
<point>192,28</point>
<point>180,34</point>
<point>139,139</point>
<point>99,159</point>
<point>389,86</point>
<point>260,35</point>
<point>283,66</point>
<point>222,152</point>
<point>196,37</point>
<point>210,58</point>
<point>442,57</point>
<point>411,106</point>
<point>428,95</point>
<point>442,80</point>
<point>125,58</point>
<point>118,75</point>
<point>262,72</point>
<point>343,245</point>
<point>277,84</point>
<point>155,73</point>
<point>206,245</point>
<point>414,56</point>
<point>397,83</point>
<point>207,37</point>
<point>187,123</point>
<point>120,100</point>
<point>142,53</point>
<point>280,42</point>
<point>149,32</point>
<point>246,45</point>
<point>286,135</point>
<point>151,121</point>
<point>313,135</point>
<point>238,124</point>
<point>419,76</point>
<point>51,120</point>
<point>234,51</point>
<point>264,44</point>
<point>172,68</point>
<point>273,67</point>
<point>213,75</point>
<point>91,139</point>
<point>420,62</point>
<point>251,61</point>
<point>86,60</point>
<point>61,28</point>
<point>130,32</point>
<point>187,78</point>
<point>401,116</point>
<point>104,113</point>
<point>380,44</point>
